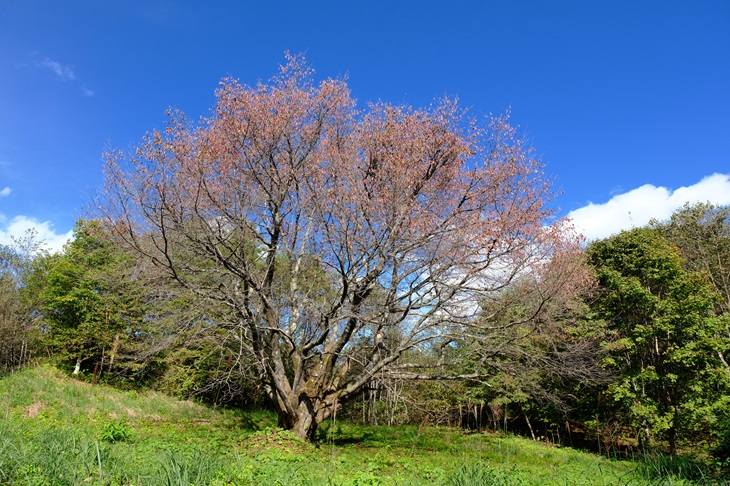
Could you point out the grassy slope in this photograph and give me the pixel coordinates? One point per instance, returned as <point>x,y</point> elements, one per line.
<point>56,430</point>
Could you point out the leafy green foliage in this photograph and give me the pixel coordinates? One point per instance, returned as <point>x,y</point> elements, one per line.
<point>88,298</point>
<point>663,340</point>
<point>19,336</point>
<point>115,432</point>
<point>702,234</point>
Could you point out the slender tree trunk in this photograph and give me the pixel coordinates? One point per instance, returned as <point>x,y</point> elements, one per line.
<point>529,425</point>
<point>646,433</point>
<point>96,370</point>
<point>77,368</point>
<point>115,349</point>
<point>672,432</point>
<point>101,365</point>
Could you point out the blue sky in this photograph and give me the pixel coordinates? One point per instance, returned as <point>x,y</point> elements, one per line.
<point>627,102</point>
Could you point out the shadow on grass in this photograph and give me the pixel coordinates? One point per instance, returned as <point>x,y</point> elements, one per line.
<point>249,420</point>
<point>244,421</point>
<point>331,434</point>
<point>347,440</point>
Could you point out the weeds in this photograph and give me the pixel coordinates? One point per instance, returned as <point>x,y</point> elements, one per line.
<point>115,432</point>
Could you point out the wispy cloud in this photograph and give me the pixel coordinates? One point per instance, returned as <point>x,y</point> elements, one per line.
<point>18,227</point>
<point>5,192</point>
<point>63,72</point>
<point>638,206</point>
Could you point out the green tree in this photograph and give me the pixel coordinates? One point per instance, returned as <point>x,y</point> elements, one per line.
<point>18,331</point>
<point>88,298</point>
<point>702,234</point>
<point>664,329</point>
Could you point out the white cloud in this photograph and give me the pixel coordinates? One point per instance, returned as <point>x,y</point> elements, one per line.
<point>5,192</point>
<point>19,225</point>
<point>64,73</point>
<point>638,206</point>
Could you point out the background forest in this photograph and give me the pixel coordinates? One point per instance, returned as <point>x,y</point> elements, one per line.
<point>638,362</point>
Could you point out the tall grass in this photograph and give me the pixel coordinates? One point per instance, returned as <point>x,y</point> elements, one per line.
<point>188,469</point>
<point>678,469</point>
<point>481,473</point>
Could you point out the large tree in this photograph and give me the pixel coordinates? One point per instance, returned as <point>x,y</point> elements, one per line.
<point>335,241</point>
<point>665,334</point>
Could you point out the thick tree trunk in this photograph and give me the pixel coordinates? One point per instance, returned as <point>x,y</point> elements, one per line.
<point>304,422</point>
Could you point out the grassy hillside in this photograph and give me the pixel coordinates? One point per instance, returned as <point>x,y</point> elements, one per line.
<point>56,430</point>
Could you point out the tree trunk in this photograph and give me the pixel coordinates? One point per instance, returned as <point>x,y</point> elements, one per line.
<point>672,433</point>
<point>645,436</point>
<point>77,368</point>
<point>532,432</point>
<point>304,422</point>
<point>113,354</point>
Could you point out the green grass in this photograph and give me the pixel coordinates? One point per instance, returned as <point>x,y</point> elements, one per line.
<point>55,430</point>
